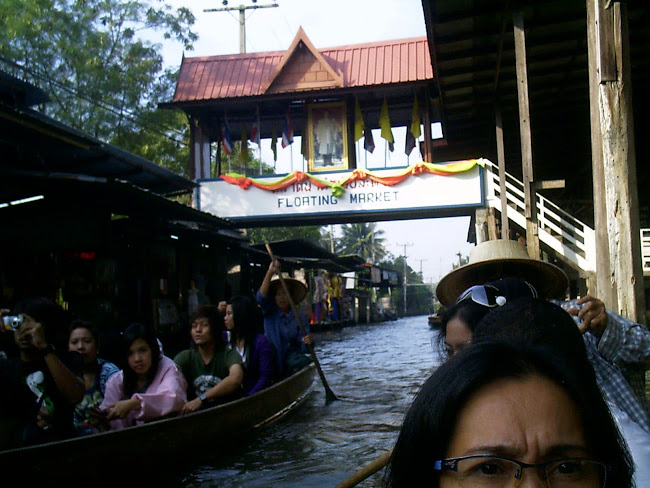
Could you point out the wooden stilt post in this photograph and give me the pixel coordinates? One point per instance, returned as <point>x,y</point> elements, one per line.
<point>532,237</point>
<point>602,288</point>
<point>501,160</point>
<point>612,139</point>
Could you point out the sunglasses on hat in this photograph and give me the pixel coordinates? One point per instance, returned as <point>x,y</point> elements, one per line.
<point>485,295</point>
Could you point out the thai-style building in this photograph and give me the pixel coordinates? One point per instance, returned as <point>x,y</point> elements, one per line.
<point>306,85</point>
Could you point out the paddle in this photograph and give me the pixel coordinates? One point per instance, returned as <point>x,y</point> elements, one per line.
<point>329,394</point>
<point>367,471</point>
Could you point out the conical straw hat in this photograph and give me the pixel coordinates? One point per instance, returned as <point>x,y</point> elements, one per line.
<point>296,287</point>
<point>502,258</point>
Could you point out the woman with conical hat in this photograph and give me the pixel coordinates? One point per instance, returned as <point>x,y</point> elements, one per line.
<point>280,324</point>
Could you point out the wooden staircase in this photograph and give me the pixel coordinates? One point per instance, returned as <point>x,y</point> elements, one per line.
<point>571,240</point>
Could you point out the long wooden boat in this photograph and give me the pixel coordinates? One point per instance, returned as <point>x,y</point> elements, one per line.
<point>158,442</point>
<point>435,321</point>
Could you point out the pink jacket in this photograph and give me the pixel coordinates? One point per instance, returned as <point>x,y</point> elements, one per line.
<point>166,394</point>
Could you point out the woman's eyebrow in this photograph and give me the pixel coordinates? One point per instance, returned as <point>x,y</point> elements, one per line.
<point>511,451</point>
<point>497,449</point>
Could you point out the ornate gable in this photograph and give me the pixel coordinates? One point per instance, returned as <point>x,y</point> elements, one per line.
<point>302,68</point>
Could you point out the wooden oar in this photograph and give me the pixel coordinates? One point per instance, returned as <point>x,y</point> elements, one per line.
<point>367,471</point>
<point>329,394</point>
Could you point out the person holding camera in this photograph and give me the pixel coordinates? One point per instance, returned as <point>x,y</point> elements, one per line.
<point>42,383</point>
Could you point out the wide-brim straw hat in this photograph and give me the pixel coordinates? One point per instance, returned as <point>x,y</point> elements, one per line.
<point>501,258</point>
<point>296,287</point>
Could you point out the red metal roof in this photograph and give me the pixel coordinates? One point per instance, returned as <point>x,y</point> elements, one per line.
<point>244,75</point>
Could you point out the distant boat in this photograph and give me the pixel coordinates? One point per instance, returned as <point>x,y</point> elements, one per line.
<point>435,321</point>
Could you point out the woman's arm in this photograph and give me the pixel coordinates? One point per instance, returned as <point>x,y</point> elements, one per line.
<point>165,395</point>
<point>226,386</point>
<point>71,386</point>
<point>112,396</point>
<point>274,267</point>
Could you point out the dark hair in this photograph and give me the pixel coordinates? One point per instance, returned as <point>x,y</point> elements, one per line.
<point>50,315</point>
<point>84,324</point>
<point>430,421</point>
<point>132,333</point>
<point>247,319</point>
<point>471,313</point>
<point>532,321</point>
<point>215,319</point>
<point>467,311</point>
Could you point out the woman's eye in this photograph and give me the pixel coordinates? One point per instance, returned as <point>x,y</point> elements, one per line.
<point>488,468</point>
<point>568,467</point>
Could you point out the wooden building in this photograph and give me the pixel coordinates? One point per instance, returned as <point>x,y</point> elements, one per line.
<point>303,83</point>
<point>554,91</point>
<point>99,229</point>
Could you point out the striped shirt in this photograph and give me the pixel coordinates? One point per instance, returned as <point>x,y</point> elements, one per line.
<point>620,358</point>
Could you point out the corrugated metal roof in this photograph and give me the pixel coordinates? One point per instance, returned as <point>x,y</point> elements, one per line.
<point>249,74</point>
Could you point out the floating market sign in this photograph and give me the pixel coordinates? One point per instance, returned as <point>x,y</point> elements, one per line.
<point>422,190</point>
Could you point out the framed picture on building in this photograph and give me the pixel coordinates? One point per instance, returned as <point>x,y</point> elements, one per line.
<point>328,142</point>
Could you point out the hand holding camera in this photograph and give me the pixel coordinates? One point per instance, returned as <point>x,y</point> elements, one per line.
<point>12,322</point>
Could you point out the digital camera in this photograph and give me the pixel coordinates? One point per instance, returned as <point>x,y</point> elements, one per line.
<point>12,322</point>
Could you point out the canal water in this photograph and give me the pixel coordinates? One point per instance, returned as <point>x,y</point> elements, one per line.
<point>375,370</point>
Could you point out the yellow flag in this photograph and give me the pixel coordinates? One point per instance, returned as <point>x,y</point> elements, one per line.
<point>415,119</point>
<point>358,122</point>
<point>384,123</point>
<point>244,146</point>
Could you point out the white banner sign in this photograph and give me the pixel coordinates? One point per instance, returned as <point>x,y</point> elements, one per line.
<point>305,199</point>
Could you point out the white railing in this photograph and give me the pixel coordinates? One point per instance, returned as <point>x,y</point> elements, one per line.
<point>645,250</point>
<point>566,235</point>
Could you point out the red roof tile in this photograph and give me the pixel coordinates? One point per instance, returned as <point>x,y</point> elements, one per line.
<point>250,74</point>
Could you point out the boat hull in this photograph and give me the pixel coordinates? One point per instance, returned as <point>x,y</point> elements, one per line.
<point>168,439</point>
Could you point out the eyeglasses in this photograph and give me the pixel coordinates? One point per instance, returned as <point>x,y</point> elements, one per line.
<point>486,295</point>
<point>489,471</point>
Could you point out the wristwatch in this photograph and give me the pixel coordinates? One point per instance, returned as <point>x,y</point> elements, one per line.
<point>203,397</point>
<point>47,350</point>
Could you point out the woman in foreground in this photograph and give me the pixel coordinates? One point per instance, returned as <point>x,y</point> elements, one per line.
<point>499,415</point>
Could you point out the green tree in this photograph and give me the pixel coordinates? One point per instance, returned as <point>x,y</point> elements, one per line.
<point>232,163</point>
<point>103,75</point>
<point>363,239</point>
<point>311,233</point>
<point>419,296</point>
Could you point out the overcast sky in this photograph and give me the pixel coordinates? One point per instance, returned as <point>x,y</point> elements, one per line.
<point>431,244</point>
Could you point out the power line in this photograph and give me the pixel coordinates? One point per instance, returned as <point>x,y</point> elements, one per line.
<point>242,18</point>
<point>421,276</point>
<point>114,109</point>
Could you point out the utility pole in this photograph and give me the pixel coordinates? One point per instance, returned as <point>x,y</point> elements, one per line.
<point>242,18</point>
<point>421,275</point>
<point>405,246</point>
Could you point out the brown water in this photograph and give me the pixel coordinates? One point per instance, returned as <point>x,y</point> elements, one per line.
<point>374,370</point>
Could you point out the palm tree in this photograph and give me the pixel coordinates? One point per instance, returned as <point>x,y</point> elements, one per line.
<point>363,239</point>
